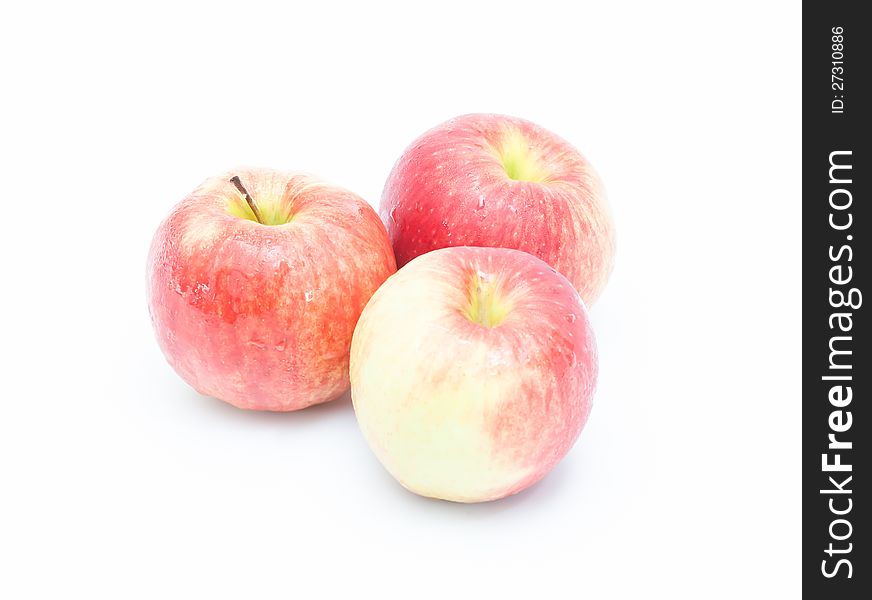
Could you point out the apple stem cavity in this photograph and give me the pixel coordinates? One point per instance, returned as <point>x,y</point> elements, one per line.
<point>236,182</point>
<point>487,304</point>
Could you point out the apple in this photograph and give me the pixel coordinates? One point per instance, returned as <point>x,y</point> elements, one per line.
<point>473,372</point>
<point>500,181</point>
<point>256,281</point>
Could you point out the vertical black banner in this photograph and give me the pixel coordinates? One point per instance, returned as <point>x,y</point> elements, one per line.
<point>836,369</point>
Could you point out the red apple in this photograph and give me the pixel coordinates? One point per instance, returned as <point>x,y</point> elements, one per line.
<point>499,181</point>
<point>256,281</point>
<point>473,372</point>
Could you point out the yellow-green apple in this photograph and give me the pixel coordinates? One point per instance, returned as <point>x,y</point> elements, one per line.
<point>472,372</point>
<point>499,181</point>
<point>256,281</point>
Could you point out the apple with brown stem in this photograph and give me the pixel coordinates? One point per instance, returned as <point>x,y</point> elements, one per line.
<point>256,281</point>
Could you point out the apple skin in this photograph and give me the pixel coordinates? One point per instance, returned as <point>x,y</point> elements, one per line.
<point>261,316</point>
<point>458,410</point>
<point>500,181</point>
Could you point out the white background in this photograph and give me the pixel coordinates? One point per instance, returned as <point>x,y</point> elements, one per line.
<point>119,481</point>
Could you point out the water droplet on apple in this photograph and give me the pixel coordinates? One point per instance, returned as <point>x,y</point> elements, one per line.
<point>571,317</point>
<point>309,295</point>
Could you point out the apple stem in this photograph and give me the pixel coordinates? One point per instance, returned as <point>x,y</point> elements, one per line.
<point>235,181</point>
